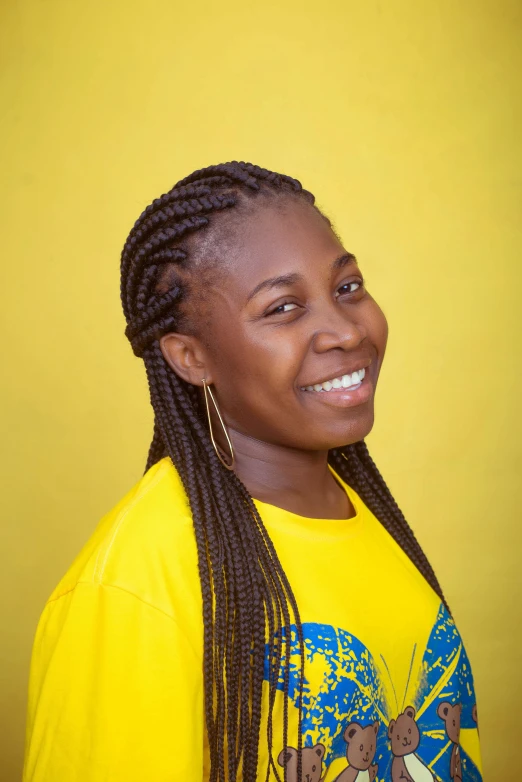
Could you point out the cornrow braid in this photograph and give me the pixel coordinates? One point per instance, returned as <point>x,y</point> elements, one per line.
<point>247,597</point>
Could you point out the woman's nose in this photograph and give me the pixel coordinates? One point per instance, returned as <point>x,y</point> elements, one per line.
<point>336,329</point>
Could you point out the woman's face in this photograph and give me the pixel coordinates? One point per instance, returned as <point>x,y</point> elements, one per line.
<point>288,312</point>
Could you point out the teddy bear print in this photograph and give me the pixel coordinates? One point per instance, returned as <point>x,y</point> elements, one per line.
<point>311,763</point>
<point>450,715</point>
<point>404,737</point>
<point>360,752</point>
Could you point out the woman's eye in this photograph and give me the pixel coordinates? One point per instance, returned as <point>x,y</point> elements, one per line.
<point>288,306</point>
<point>345,289</point>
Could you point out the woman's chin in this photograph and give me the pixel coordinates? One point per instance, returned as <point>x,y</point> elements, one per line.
<point>346,435</point>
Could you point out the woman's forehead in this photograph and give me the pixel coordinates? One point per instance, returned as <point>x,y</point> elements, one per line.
<point>273,241</point>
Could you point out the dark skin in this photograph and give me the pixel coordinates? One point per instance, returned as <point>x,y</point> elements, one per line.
<point>260,349</point>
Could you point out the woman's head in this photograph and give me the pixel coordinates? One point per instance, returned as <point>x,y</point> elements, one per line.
<point>272,304</point>
<point>235,277</point>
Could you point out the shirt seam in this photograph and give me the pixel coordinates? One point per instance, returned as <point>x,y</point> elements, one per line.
<point>131,594</point>
<point>99,571</point>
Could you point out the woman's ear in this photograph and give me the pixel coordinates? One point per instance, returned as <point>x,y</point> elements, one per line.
<point>186,356</point>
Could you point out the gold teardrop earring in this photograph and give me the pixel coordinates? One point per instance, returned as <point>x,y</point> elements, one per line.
<point>208,392</point>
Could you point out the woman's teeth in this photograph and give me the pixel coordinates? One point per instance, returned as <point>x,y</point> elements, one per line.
<point>346,381</point>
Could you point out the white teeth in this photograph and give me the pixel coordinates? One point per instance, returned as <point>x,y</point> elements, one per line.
<point>346,381</point>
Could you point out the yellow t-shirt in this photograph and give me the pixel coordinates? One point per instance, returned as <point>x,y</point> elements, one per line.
<point>116,685</point>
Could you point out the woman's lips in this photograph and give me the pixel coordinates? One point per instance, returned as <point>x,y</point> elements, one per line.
<point>343,397</point>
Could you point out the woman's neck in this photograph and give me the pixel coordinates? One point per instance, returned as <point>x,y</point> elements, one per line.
<point>298,481</point>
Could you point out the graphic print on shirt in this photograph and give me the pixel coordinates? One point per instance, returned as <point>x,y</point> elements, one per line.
<point>360,752</point>
<point>311,761</point>
<point>415,734</point>
<point>450,714</point>
<point>404,736</point>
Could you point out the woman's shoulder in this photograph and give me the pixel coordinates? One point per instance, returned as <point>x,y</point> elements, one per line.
<point>145,544</point>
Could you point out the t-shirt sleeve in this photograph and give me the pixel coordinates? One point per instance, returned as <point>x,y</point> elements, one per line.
<point>115,693</point>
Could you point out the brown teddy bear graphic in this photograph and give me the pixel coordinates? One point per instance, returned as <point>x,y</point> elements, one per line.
<point>450,715</point>
<point>362,745</point>
<point>311,763</point>
<point>404,736</point>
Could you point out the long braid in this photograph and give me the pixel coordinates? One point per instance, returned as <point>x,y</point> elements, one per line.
<point>244,589</point>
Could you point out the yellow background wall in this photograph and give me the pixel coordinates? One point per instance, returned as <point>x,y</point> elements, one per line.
<point>404,118</point>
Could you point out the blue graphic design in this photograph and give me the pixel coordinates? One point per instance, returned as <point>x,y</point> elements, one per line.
<point>352,689</point>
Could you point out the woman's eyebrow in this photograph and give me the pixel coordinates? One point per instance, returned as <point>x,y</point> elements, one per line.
<point>275,282</point>
<point>291,279</point>
<point>343,260</point>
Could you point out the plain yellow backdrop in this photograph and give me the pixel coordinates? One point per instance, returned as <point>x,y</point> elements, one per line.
<point>404,118</point>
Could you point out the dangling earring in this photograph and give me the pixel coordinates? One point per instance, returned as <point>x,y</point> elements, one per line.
<point>217,449</point>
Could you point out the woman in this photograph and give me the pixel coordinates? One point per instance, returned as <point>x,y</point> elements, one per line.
<point>256,607</point>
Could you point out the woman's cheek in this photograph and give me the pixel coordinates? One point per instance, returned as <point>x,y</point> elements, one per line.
<point>378,327</point>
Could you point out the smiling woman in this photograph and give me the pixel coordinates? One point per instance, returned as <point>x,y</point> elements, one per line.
<point>257,606</point>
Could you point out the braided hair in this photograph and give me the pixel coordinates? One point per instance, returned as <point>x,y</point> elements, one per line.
<point>247,597</point>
